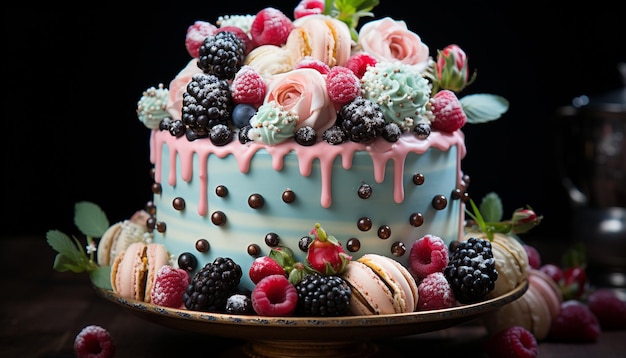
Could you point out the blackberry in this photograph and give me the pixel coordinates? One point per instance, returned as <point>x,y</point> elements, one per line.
<point>471,270</point>
<point>334,135</point>
<point>320,295</point>
<point>206,103</point>
<point>210,287</point>
<point>238,303</point>
<point>165,123</point>
<point>421,130</point>
<point>177,128</point>
<point>221,55</point>
<point>306,136</point>
<point>392,132</point>
<point>243,134</point>
<point>220,134</point>
<point>361,120</point>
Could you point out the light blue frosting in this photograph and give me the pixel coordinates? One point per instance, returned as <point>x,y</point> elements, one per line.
<point>272,124</point>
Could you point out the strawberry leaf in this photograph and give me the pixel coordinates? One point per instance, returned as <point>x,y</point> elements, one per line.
<point>483,107</point>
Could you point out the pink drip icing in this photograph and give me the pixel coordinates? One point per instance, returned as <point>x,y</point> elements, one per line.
<point>380,150</point>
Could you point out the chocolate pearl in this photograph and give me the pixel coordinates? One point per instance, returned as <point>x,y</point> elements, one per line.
<point>364,224</point>
<point>288,196</point>
<point>256,201</point>
<point>384,232</point>
<point>456,194</point>
<point>178,203</point>
<point>254,250</point>
<point>151,223</point>
<point>365,191</point>
<point>156,188</point>
<point>439,202</point>
<point>151,208</point>
<point>272,239</point>
<point>398,249</point>
<point>304,243</point>
<point>353,245</point>
<point>221,191</point>
<point>161,227</point>
<point>202,245</point>
<point>187,261</point>
<point>416,219</point>
<point>218,218</point>
<point>418,179</point>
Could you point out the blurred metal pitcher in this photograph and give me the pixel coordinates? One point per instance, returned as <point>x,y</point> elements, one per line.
<point>592,145</point>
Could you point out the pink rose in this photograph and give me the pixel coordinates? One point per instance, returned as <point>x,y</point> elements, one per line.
<point>389,40</point>
<point>303,91</point>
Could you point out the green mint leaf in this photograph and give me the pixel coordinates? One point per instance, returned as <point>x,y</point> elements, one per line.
<point>90,219</point>
<point>63,263</point>
<point>65,247</point>
<point>483,107</point>
<point>491,207</point>
<point>101,277</point>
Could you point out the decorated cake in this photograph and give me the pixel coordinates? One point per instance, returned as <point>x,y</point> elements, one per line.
<point>331,147</point>
<point>276,124</point>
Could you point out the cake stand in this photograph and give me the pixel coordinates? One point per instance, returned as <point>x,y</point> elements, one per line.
<point>345,336</point>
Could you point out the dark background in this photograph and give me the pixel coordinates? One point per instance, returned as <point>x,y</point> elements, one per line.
<point>72,82</point>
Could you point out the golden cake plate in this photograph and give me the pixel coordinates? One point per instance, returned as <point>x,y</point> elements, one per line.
<point>345,336</point>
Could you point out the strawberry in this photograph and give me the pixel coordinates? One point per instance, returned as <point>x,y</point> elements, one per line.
<point>264,266</point>
<point>515,341</point>
<point>608,308</point>
<point>574,283</point>
<point>325,254</point>
<point>574,323</point>
<point>448,111</point>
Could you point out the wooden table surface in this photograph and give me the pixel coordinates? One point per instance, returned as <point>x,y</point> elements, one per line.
<point>43,310</point>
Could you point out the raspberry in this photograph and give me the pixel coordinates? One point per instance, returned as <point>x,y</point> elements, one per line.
<point>435,293</point>
<point>358,63</point>
<point>428,254</point>
<point>94,342</point>
<point>270,27</point>
<point>248,87</point>
<point>608,308</point>
<point>342,85</point>
<point>169,285</point>
<point>264,266</point>
<point>534,258</point>
<point>274,296</point>
<point>512,342</point>
<point>449,115</point>
<point>308,7</point>
<point>574,323</point>
<point>196,34</point>
<point>311,62</point>
<point>241,34</point>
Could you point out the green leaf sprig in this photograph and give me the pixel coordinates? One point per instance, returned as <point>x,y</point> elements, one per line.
<point>488,217</point>
<point>350,12</point>
<point>71,256</point>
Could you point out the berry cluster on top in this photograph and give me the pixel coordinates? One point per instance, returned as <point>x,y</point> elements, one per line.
<point>267,78</point>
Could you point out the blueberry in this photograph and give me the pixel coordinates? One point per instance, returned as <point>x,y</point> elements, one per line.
<point>242,114</point>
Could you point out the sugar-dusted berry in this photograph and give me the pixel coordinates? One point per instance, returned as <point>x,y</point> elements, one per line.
<point>169,285</point>
<point>94,342</point>
<point>429,254</point>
